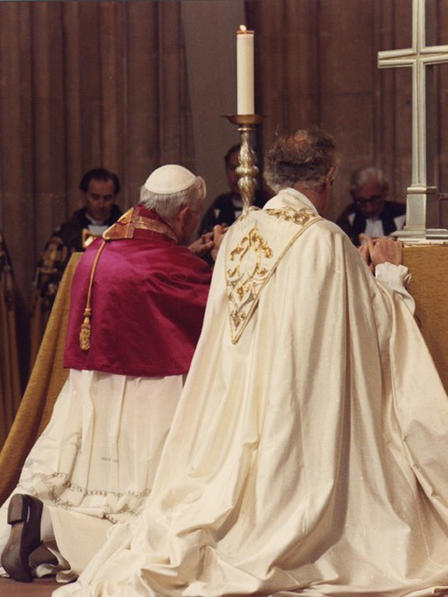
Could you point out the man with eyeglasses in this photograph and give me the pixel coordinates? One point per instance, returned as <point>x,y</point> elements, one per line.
<point>370,213</point>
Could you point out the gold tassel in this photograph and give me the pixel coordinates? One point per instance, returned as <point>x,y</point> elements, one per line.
<point>84,334</point>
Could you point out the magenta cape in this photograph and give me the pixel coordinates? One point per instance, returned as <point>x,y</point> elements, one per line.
<point>148,302</point>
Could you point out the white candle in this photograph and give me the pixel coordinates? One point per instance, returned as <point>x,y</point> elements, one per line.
<point>245,71</point>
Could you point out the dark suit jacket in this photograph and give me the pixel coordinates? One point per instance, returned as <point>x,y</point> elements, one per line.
<point>353,230</point>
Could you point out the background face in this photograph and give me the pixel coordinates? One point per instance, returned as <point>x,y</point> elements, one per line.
<point>99,198</point>
<point>369,199</point>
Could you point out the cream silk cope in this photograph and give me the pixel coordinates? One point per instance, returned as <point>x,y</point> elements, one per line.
<point>308,454</point>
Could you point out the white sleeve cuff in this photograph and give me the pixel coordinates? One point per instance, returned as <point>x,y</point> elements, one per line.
<point>396,277</point>
<point>392,275</point>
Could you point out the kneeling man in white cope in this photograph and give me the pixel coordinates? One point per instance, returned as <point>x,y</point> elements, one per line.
<point>309,451</point>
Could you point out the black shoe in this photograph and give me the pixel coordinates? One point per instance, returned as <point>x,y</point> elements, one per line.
<point>24,514</point>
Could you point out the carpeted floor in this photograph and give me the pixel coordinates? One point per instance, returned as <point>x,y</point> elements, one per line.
<point>42,587</point>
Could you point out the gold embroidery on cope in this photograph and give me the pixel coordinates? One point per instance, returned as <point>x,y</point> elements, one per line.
<point>243,286</point>
<point>243,215</point>
<point>300,217</point>
<point>252,262</point>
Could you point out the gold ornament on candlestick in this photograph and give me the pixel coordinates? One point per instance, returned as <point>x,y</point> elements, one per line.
<point>247,170</point>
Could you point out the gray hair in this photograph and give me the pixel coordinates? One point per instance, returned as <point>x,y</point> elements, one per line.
<point>305,156</point>
<point>167,205</point>
<point>362,176</point>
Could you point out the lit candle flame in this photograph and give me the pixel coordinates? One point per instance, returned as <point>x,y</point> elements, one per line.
<point>243,28</point>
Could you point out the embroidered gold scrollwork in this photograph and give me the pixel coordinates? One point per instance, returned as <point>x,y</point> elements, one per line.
<point>255,242</point>
<point>253,260</point>
<point>246,212</point>
<point>299,217</point>
<point>243,286</point>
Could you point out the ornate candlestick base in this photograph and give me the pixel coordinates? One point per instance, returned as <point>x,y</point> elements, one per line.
<point>247,170</point>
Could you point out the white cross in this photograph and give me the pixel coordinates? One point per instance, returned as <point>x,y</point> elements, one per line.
<point>418,57</point>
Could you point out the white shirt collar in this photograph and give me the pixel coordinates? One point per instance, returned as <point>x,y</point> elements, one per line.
<point>95,222</point>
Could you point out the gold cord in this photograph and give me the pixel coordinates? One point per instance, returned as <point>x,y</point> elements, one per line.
<point>84,334</point>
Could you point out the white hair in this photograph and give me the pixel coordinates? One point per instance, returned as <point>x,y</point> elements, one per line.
<point>362,176</point>
<point>167,205</point>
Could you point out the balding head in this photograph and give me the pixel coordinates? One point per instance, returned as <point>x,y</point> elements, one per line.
<point>305,157</point>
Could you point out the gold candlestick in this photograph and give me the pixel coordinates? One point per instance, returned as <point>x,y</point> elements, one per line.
<point>247,170</point>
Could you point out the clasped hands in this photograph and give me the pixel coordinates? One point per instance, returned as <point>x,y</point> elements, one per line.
<point>380,250</point>
<point>209,242</point>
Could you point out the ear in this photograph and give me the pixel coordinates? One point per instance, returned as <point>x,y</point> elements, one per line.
<point>183,215</point>
<point>182,222</point>
<point>330,175</point>
<point>328,180</point>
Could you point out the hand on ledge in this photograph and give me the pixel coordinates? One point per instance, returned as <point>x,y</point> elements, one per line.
<point>381,250</point>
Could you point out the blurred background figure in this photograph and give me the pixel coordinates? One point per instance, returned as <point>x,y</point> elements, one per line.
<point>370,212</point>
<point>99,189</point>
<point>227,207</point>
